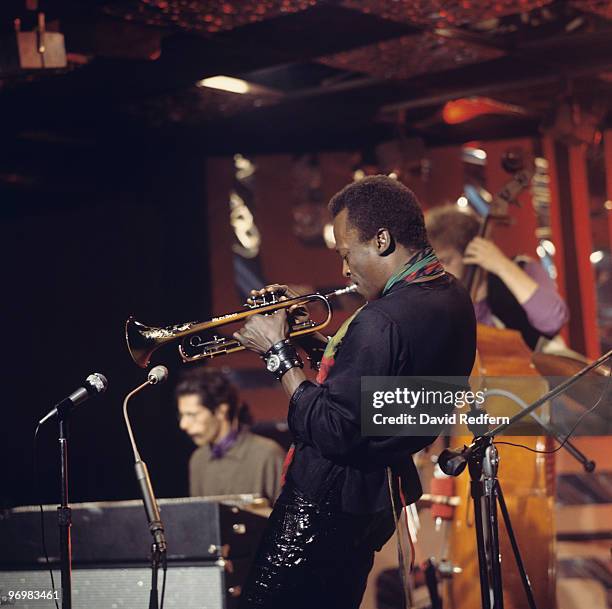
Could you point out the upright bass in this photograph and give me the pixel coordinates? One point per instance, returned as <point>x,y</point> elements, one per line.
<point>526,477</point>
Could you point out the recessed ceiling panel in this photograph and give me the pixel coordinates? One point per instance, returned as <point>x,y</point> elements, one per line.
<point>411,55</point>
<point>603,8</point>
<point>205,15</point>
<point>445,13</point>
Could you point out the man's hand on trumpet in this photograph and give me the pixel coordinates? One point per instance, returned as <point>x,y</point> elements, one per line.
<point>283,291</point>
<point>297,313</point>
<point>260,332</point>
<point>314,343</point>
<point>265,335</point>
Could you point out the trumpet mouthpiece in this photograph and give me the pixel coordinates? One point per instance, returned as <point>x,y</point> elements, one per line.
<point>349,289</point>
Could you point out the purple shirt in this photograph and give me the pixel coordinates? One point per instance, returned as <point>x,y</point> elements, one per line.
<point>545,309</point>
<point>220,449</point>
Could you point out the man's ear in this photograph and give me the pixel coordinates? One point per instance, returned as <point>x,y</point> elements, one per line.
<point>385,244</point>
<point>222,410</point>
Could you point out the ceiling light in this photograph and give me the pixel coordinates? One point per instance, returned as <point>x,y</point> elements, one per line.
<point>465,109</point>
<point>479,153</point>
<point>225,83</point>
<point>473,155</point>
<point>597,256</point>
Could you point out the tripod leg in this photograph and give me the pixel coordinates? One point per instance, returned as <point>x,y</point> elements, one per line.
<point>431,579</point>
<point>493,539</point>
<point>485,595</point>
<point>515,548</point>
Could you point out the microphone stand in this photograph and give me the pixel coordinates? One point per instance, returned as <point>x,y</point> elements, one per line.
<point>64,512</point>
<point>94,384</point>
<point>156,527</point>
<point>482,460</point>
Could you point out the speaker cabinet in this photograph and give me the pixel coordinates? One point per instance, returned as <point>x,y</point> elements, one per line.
<point>193,587</point>
<point>210,546</point>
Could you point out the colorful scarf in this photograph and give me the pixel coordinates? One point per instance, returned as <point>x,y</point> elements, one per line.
<point>423,266</point>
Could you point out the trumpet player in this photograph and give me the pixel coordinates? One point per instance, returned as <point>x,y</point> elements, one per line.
<point>335,508</point>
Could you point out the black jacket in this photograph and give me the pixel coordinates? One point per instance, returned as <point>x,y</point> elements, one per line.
<point>421,329</point>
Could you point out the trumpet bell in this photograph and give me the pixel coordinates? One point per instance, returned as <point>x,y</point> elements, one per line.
<point>139,342</point>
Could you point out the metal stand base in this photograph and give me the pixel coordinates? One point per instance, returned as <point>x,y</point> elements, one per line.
<point>483,464</point>
<point>153,595</point>
<point>64,514</point>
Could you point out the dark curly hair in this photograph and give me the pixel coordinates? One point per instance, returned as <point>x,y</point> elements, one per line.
<point>449,226</point>
<point>213,388</point>
<point>382,202</point>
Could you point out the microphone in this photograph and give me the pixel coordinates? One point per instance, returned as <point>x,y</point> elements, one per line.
<point>94,384</point>
<point>453,462</point>
<point>157,375</point>
<point>156,526</point>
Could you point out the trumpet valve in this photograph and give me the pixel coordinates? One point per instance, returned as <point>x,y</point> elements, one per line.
<point>303,325</point>
<point>258,301</point>
<point>265,299</point>
<point>218,346</point>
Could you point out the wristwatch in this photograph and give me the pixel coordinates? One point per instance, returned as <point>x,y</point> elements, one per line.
<point>273,362</point>
<point>281,357</point>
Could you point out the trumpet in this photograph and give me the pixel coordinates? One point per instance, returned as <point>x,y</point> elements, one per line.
<point>143,341</point>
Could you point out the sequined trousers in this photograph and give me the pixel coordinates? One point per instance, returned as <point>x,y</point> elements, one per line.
<point>313,555</point>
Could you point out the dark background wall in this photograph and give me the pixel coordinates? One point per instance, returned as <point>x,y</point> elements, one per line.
<point>118,230</point>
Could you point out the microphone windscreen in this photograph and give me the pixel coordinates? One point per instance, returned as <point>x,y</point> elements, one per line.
<point>97,382</point>
<point>158,375</point>
<point>452,462</point>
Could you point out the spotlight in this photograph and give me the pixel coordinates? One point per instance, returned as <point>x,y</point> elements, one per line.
<point>225,83</point>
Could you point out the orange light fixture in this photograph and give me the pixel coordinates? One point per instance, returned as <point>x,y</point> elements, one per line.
<point>467,108</point>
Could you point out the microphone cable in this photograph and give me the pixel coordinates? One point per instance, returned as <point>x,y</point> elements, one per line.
<point>569,434</point>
